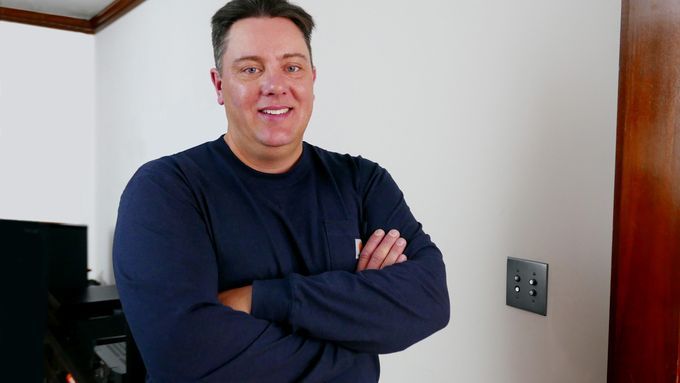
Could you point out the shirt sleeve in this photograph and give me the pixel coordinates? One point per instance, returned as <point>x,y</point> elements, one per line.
<point>166,274</point>
<point>374,311</point>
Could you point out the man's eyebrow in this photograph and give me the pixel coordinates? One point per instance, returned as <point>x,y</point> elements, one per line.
<point>247,58</point>
<point>291,55</point>
<point>259,59</point>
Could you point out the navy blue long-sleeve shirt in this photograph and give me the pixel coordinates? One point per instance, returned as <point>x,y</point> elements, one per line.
<point>199,222</point>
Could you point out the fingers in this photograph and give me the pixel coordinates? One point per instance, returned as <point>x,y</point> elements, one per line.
<point>383,249</point>
<point>395,252</point>
<point>369,248</point>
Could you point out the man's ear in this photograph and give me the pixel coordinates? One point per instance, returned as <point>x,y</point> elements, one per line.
<point>217,83</point>
<point>314,73</point>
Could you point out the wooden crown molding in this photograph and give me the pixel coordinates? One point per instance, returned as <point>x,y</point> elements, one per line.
<point>112,13</point>
<point>46,20</point>
<point>100,21</point>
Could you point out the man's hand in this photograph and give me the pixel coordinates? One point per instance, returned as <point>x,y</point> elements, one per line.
<point>239,299</point>
<point>382,250</point>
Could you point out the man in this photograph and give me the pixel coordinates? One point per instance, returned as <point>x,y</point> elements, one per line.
<point>238,260</point>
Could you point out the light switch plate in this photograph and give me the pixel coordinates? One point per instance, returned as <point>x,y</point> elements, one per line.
<point>527,285</point>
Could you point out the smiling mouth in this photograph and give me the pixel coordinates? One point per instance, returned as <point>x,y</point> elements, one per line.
<point>276,112</point>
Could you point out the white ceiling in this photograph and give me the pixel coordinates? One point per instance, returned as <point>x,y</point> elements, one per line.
<point>82,9</point>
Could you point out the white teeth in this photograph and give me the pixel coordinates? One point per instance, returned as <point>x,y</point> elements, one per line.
<point>276,112</point>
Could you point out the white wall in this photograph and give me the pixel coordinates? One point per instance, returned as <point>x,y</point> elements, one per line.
<point>154,97</point>
<point>496,118</point>
<point>47,127</point>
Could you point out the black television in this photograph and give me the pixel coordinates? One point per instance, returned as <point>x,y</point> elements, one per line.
<point>35,257</point>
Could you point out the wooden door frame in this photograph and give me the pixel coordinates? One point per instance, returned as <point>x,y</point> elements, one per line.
<point>644,332</point>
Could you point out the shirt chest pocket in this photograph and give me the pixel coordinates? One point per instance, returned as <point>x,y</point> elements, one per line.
<point>344,244</point>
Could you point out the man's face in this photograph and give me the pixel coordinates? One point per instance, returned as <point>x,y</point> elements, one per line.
<point>266,84</point>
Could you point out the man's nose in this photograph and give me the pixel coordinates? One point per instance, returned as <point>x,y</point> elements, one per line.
<point>274,84</point>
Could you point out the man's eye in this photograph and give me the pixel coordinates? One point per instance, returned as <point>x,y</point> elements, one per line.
<point>293,68</point>
<point>251,70</point>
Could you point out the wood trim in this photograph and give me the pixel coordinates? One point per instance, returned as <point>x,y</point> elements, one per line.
<point>100,21</point>
<point>112,13</point>
<point>46,20</point>
<point>644,336</point>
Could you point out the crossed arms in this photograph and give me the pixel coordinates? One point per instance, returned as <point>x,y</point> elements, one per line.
<point>380,251</point>
<point>311,328</point>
